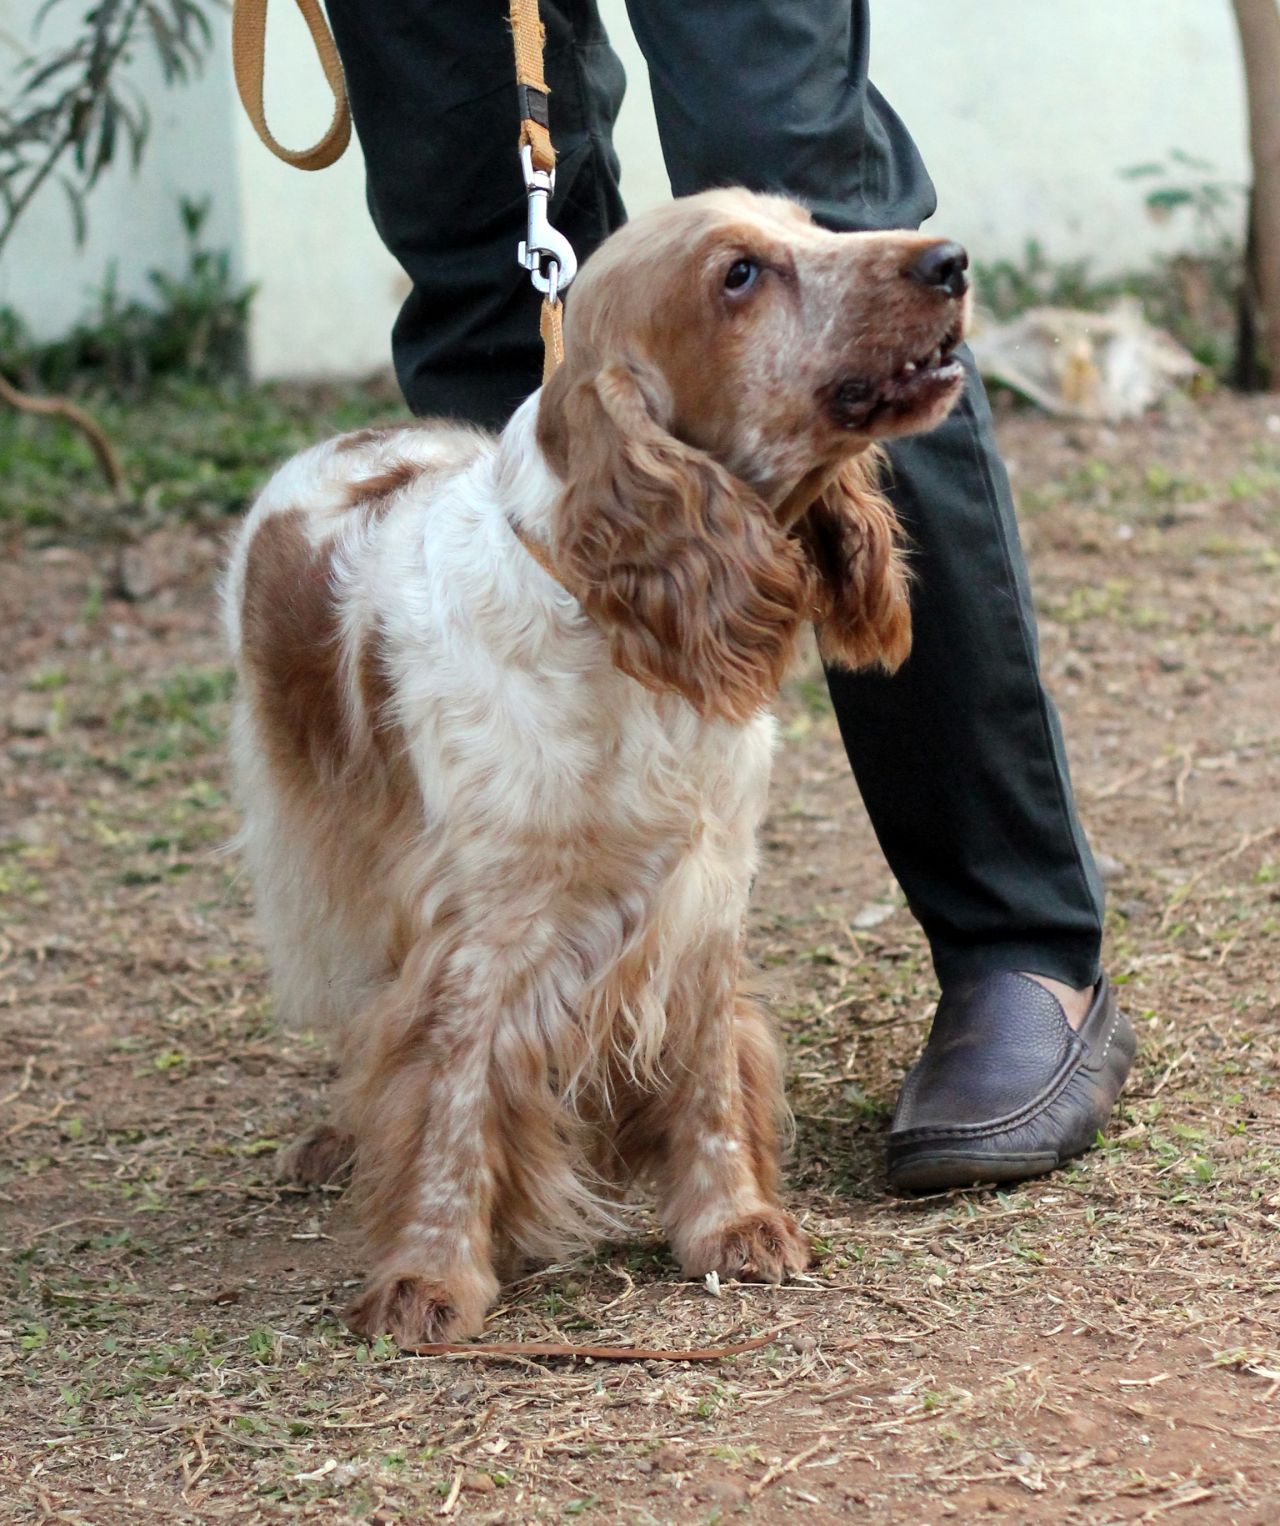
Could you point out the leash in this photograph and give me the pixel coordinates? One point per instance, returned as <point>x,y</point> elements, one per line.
<point>544,251</point>
<point>248,56</point>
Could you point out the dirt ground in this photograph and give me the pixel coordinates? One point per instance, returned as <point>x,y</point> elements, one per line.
<point>1100,1346</point>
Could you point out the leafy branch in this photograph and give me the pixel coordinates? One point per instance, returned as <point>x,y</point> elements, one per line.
<point>72,112</point>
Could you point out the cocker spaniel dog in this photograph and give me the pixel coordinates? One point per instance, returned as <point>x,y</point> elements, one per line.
<point>502,742</point>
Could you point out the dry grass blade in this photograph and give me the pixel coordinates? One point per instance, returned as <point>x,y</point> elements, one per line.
<point>1183,893</point>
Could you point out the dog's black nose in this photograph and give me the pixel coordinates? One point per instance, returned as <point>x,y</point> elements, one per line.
<point>943,265</point>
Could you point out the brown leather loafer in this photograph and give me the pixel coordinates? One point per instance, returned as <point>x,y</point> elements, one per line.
<point>1005,1088</point>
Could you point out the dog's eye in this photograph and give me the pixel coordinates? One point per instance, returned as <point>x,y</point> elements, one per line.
<point>741,275</point>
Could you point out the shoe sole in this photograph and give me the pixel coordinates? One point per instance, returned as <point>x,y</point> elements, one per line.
<point>940,1171</point>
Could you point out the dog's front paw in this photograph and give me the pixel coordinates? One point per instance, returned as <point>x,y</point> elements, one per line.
<point>322,1155</point>
<point>415,1310</point>
<point>768,1246</point>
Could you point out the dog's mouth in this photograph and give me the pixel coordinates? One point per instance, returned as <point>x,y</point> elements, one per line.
<point>917,388</point>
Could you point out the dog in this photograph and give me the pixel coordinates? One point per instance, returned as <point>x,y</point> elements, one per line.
<point>502,743</point>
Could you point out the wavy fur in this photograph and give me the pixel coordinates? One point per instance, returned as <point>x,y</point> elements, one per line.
<point>698,587</point>
<point>862,606</point>
<point>502,822</point>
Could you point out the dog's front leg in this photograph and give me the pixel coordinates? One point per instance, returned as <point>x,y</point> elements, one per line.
<point>709,1139</point>
<point>719,1189</point>
<point>420,1105</point>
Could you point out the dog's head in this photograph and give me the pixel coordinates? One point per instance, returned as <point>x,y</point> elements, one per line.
<point>728,368</point>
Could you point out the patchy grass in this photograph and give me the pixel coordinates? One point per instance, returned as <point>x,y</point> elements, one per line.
<point>1100,1346</point>
<point>195,450</point>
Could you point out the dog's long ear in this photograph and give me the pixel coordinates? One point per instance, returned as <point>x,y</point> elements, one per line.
<point>863,602</point>
<point>696,586</point>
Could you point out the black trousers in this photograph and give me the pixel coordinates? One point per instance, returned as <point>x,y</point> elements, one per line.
<point>958,756</point>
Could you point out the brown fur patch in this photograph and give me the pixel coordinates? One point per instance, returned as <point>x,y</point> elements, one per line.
<point>343,768</point>
<point>375,434</point>
<point>706,1137</point>
<point>373,495</point>
<point>767,1246</point>
<point>289,638</point>
<point>698,589</point>
<point>413,1310</point>
<point>862,598</point>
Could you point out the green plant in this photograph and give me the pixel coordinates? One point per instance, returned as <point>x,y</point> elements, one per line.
<point>1199,297</point>
<point>1193,296</point>
<point>1009,287</point>
<point>194,326</point>
<point>69,114</point>
<point>1183,181</point>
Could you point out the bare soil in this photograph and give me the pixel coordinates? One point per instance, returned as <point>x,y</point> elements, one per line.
<point>1100,1346</point>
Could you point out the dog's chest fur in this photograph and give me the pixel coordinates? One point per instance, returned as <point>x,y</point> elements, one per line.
<point>494,777</point>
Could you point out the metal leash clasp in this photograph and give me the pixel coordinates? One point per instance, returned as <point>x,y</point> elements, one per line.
<point>544,251</point>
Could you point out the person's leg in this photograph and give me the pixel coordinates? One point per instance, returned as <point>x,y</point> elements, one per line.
<point>433,98</point>
<point>959,755</point>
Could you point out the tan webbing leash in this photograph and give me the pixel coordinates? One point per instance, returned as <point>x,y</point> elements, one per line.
<point>248,58</point>
<point>551,327</point>
<point>529,36</point>
<point>544,252</point>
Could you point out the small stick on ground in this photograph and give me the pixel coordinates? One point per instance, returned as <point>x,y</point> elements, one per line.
<point>780,1470</point>
<point>454,1491</point>
<point>595,1353</point>
<point>1180,897</point>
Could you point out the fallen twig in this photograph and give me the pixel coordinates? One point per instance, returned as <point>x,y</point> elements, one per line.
<point>780,1470</point>
<point>1180,896</point>
<point>1132,777</point>
<point>454,1491</point>
<point>58,1108</point>
<point>1196,1497</point>
<point>1184,773</point>
<point>594,1353</point>
<point>22,1085</point>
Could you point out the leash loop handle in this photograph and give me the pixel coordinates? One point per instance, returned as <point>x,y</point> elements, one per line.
<point>248,55</point>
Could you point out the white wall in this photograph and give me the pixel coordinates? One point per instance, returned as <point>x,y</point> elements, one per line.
<point>328,291</point>
<point>1026,111</point>
<point>133,220</point>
